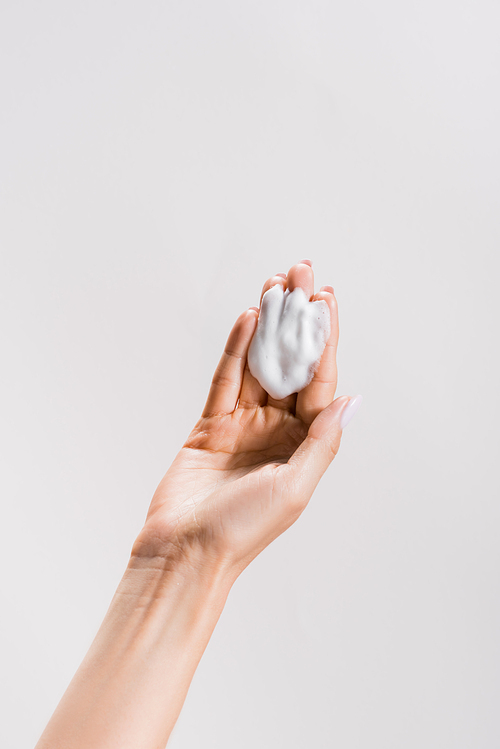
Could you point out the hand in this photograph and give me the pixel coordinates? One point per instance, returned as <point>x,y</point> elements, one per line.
<point>251,463</point>
<point>243,476</point>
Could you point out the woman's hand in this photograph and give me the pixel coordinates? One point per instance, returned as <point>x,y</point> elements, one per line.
<point>251,463</point>
<point>243,476</point>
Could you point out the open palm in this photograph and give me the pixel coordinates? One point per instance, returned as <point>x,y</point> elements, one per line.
<point>251,463</point>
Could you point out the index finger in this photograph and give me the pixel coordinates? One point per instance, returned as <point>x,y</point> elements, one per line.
<point>227,379</point>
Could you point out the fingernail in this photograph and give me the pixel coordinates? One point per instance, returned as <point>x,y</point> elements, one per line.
<point>282,275</point>
<point>255,308</point>
<point>307,262</point>
<point>327,288</point>
<point>350,410</point>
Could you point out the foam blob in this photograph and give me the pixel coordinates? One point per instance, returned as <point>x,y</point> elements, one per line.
<point>289,341</point>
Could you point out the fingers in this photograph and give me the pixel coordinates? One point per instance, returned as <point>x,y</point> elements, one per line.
<point>321,390</point>
<point>252,393</point>
<point>301,275</point>
<point>278,278</point>
<point>316,452</point>
<point>227,379</point>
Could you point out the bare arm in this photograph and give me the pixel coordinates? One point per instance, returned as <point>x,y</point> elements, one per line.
<point>131,686</point>
<point>244,475</point>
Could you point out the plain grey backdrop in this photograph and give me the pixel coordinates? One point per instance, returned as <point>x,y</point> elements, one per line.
<point>158,161</point>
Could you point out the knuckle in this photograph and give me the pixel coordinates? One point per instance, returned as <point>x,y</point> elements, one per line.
<point>220,378</point>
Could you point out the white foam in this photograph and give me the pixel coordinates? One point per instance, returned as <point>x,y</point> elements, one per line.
<point>289,341</point>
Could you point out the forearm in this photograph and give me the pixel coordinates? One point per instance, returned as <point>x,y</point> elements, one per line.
<point>131,686</point>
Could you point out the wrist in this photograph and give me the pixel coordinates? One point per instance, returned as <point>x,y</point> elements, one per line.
<point>186,552</point>
<point>159,562</point>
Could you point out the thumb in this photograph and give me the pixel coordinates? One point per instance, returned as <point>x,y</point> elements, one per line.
<point>314,455</point>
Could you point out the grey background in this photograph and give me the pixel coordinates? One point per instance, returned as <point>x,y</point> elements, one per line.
<point>158,161</point>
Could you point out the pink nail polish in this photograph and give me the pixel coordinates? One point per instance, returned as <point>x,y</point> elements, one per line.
<point>350,410</point>
<point>306,262</point>
<point>327,288</point>
<point>282,275</point>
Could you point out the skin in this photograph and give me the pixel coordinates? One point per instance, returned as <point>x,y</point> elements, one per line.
<point>244,475</point>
